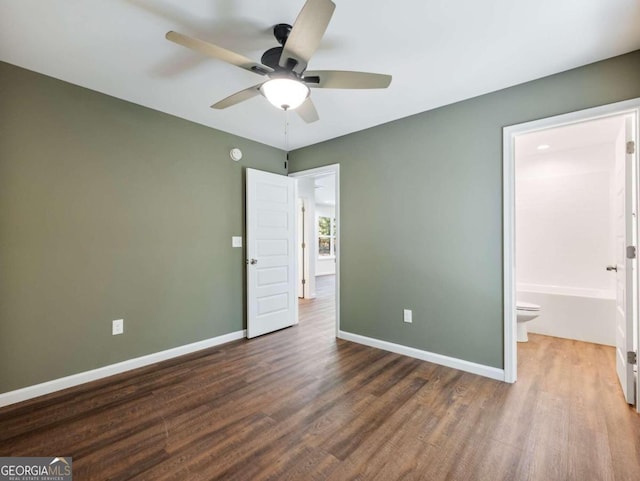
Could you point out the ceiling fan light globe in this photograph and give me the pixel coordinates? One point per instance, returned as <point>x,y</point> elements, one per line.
<point>285,93</point>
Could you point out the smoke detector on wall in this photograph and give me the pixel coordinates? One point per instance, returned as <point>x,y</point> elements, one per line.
<point>235,154</point>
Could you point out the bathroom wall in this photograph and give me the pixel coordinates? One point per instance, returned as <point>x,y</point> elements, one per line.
<point>564,218</point>
<point>324,266</point>
<point>564,241</point>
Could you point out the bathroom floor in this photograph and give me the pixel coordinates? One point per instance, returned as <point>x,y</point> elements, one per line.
<point>574,404</point>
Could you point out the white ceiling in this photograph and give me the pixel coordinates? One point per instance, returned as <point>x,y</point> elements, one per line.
<point>571,137</point>
<point>574,149</point>
<point>438,51</point>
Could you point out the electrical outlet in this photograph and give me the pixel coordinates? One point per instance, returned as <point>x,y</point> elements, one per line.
<point>408,315</point>
<point>117,327</point>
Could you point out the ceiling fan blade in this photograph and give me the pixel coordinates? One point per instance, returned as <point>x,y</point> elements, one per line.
<point>238,97</point>
<point>342,79</point>
<point>219,53</point>
<point>306,33</point>
<point>307,111</point>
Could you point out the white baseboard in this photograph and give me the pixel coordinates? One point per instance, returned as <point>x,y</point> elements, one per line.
<point>48,387</point>
<point>472,367</point>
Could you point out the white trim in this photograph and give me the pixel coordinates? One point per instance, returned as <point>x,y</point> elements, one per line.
<point>324,170</point>
<point>48,387</point>
<point>508,202</point>
<point>467,366</point>
<point>330,169</point>
<point>509,260</point>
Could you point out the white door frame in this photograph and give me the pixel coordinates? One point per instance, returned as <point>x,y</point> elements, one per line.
<point>330,169</point>
<point>508,201</point>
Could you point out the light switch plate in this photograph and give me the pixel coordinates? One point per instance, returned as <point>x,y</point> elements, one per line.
<point>117,327</point>
<point>236,241</point>
<point>408,315</point>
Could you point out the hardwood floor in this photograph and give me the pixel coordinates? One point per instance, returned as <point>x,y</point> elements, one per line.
<point>300,405</point>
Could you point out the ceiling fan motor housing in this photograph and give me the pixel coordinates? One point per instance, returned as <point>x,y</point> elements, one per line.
<point>281,32</point>
<point>271,57</point>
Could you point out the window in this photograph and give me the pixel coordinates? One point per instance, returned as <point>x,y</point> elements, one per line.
<point>326,236</point>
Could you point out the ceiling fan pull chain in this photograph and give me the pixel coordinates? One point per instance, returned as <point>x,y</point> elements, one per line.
<point>286,130</point>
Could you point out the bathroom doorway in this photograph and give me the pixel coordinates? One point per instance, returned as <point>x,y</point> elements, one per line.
<point>570,205</point>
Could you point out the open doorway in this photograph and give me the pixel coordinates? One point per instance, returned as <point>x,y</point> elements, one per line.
<point>570,234</point>
<point>318,247</point>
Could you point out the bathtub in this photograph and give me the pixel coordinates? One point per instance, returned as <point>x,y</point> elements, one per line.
<point>572,312</point>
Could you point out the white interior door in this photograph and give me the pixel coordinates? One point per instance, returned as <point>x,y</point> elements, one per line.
<point>271,252</point>
<point>625,263</point>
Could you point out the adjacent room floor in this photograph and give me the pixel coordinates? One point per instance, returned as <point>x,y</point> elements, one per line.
<point>300,405</point>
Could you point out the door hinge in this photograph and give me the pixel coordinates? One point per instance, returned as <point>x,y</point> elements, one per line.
<point>631,147</point>
<point>304,246</point>
<point>303,209</point>
<point>631,252</point>
<point>632,358</point>
<point>304,281</point>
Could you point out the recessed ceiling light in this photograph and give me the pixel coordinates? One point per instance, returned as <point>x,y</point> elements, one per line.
<point>543,146</point>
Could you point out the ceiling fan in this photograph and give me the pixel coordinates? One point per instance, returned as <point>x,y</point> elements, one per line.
<point>289,80</point>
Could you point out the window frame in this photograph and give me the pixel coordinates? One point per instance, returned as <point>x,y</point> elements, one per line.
<point>331,237</point>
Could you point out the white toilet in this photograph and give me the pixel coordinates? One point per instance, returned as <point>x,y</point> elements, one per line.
<point>525,311</point>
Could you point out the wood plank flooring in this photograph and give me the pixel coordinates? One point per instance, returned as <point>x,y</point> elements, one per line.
<point>300,405</point>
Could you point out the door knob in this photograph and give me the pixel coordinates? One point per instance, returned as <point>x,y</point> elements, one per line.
<point>612,268</point>
<point>253,261</point>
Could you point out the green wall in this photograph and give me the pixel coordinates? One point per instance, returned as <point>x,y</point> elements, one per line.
<point>421,211</point>
<point>110,210</point>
